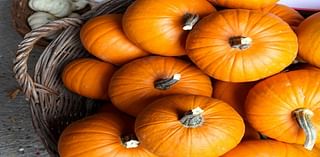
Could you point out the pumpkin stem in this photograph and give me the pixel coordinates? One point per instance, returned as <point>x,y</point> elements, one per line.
<point>192,118</point>
<point>240,42</point>
<point>164,84</point>
<point>303,117</point>
<point>130,141</point>
<point>190,21</point>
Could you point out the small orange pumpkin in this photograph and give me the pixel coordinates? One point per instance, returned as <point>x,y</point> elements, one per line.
<point>309,39</point>
<point>245,45</point>
<point>104,38</point>
<point>187,125</point>
<point>88,77</point>
<point>289,15</point>
<point>138,83</point>
<point>286,107</point>
<point>247,4</point>
<point>270,148</point>
<point>161,26</point>
<point>104,134</point>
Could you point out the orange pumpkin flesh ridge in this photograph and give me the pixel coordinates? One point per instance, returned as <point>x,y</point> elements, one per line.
<point>238,45</point>
<point>286,107</point>
<point>138,83</point>
<point>187,125</point>
<point>161,26</point>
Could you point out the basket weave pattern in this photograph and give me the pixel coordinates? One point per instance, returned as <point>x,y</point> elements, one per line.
<point>52,106</point>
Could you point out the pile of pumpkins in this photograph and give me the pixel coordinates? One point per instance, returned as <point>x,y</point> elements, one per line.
<point>183,79</point>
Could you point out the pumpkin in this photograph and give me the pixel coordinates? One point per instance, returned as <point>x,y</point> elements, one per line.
<point>245,45</point>
<point>88,77</point>
<point>235,95</point>
<point>248,4</point>
<point>270,148</point>
<point>161,26</point>
<point>309,39</point>
<point>286,107</point>
<point>104,38</point>
<point>138,83</point>
<point>289,15</point>
<point>103,134</point>
<point>188,125</point>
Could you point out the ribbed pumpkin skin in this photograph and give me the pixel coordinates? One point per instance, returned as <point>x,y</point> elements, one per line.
<point>309,39</point>
<point>235,94</point>
<point>272,101</point>
<point>104,38</point>
<point>99,135</point>
<point>132,87</point>
<point>160,131</point>
<point>289,15</point>
<point>247,4</point>
<point>88,77</point>
<point>274,45</point>
<point>269,148</point>
<point>156,25</point>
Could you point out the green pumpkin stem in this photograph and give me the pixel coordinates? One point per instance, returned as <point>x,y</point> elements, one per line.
<point>303,117</point>
<point>190,21</point>
<point>240,42</point>
<point>130,141</point>
<point>165,84</point>
<point>192,118</point>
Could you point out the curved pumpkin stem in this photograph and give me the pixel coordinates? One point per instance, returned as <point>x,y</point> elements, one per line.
<point>191,20</point>
<point>240,42</point>
<point>165,84</point>
<point>130,141</point>
<point>303,117</point>
<point>192,118</point>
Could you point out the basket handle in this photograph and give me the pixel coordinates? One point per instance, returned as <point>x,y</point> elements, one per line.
<point>20,66</point>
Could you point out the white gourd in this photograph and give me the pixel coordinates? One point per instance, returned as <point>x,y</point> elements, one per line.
<point>38,19</point>
<point>78,4</point>
<point>58,8</point>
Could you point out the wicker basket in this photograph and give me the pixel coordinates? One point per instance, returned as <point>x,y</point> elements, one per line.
<point>52,106</point>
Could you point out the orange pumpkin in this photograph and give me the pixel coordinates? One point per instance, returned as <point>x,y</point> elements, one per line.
<point>286,107</point>
<point>161,26</point>
<point>104,38</point>
<point>269,148</point>
<point>245,45</point>
<point>187,125</point>
<point>138,83</point>
<point>104,134</point>
<point>289,15</point>
<point>88,77</point>
<point>235,95</point>
<point>309,39</point>
<point>247,4</point>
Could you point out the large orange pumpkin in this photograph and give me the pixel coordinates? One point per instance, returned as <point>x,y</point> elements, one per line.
<point>161,26</point>
<point>140,82</point>
<point>88,77</point>
<point>104,134</point>
<point>269,148</point>
<point>289,15</point>
<point>186,125</point>
<point>103,37</point>
<point>286,107</point>
<point>247,4</point>
<point>309,39</point>
<point>242,45</point>
<point>235,95</point>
